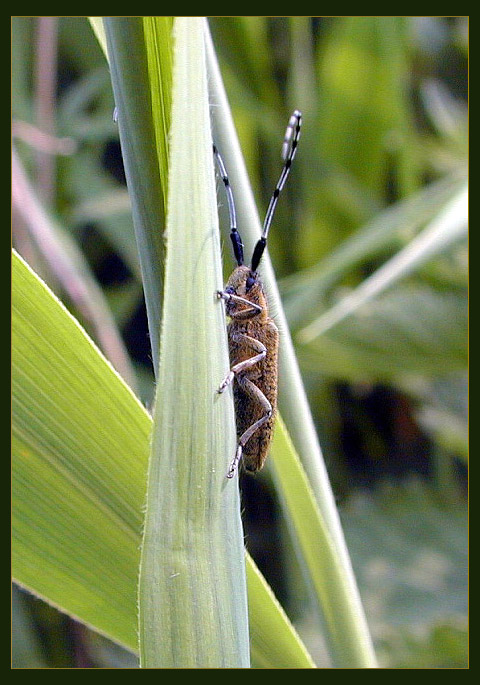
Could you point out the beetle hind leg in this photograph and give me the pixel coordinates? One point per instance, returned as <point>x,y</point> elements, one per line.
<point>256,394</point>
<point>235,462</point>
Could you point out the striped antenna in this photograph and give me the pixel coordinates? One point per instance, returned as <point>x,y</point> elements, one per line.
<point>289,149</point>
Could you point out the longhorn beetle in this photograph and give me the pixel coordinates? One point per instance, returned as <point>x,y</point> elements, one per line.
<point>252,334</point>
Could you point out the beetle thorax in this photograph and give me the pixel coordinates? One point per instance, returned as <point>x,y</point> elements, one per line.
<point>246,284</point>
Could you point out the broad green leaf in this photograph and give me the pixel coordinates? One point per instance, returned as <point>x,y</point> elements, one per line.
<point>80,447</point>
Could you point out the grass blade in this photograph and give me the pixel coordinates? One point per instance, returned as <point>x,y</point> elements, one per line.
<point>192,593</point>
<point>145,169</point>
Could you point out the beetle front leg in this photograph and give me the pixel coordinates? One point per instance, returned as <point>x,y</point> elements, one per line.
<point>251,310</point>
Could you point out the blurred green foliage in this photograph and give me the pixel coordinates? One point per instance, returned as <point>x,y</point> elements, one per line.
<point>383,151</point>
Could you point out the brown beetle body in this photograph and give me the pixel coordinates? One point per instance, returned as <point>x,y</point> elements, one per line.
<point>254,387</point>
<point>252,334</point>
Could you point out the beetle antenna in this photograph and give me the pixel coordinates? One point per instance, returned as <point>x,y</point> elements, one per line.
<point>234,234</point>
<point>289,149</point>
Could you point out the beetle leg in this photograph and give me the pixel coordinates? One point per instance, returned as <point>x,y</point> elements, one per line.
<point>256,394</point>
<point>246,363</point>
<point>223,295</point>
<point>252,308</point>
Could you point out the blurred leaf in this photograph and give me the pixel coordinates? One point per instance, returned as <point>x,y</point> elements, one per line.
<point>448,227</point>
<point>80,48</point>
<point>447,113</point>
<point>26,647</point>
<point>366,114</point>
<point>410,552</point>
<point>22,105</point>
<point>107,654</point>
<point>390,228</point>
<point>109,210</point>
<point>413,329</point>
<point>85,108</point>
<point>443,645</point>
<point>244,42</point>
<point>444,413</point>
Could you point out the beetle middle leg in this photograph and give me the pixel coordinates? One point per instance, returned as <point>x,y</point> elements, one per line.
<point>257,395</point>
<point>246,363</point>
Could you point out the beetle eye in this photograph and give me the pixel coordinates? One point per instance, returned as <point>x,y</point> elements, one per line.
<point>249,283</point>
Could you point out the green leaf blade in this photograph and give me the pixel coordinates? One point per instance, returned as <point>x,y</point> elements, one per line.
<point>193,609</point>
<point>145,168</point>
<point>76,515</point>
